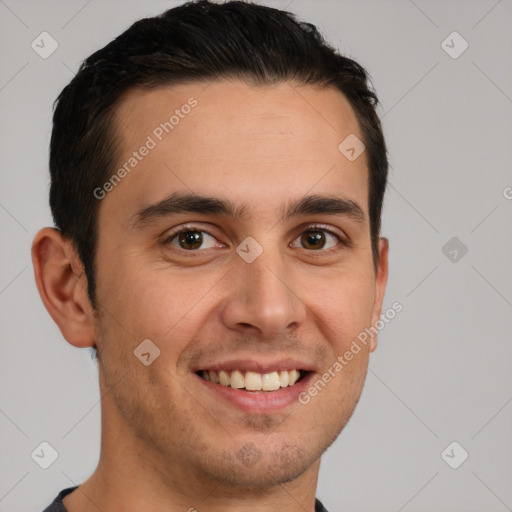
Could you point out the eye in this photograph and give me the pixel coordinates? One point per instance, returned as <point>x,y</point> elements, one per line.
<point>192,239</point>
<point>317,238</point>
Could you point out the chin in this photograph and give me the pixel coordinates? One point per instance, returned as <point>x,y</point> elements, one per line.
<point>256,468</point>
<point>263,475</point>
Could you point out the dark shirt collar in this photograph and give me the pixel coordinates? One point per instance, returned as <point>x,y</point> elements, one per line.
<point>58,506</point>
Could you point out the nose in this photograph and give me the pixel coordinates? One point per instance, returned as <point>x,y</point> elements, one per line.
<point>263,298</point>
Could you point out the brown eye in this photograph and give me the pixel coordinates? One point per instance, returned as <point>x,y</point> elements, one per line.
<point>313,240</point>
<point>192,239</point>
<point>316,239</point>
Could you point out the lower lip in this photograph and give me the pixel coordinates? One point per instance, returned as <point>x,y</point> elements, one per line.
<point>259,401</point>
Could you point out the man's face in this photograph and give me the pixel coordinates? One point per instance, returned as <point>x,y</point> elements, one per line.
<point>210,307</point>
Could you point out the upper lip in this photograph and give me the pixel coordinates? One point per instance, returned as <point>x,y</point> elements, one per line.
<point>257,366</point>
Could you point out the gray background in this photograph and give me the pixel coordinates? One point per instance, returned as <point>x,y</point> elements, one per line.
<point>441,372</point>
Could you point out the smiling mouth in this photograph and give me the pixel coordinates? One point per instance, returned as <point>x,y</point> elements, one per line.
<point>253,381</point>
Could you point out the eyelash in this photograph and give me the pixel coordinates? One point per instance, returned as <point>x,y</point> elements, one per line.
<point>314,227</point>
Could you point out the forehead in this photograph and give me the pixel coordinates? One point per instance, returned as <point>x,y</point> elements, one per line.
<point>237,141</point>
<point>283,110</point>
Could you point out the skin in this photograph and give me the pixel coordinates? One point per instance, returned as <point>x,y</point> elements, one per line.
<point>166,444</point>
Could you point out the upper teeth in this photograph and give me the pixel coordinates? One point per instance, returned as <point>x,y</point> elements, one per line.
<point>253,381</point>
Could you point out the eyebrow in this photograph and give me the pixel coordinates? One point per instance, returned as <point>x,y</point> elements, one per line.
<point>193,203</point>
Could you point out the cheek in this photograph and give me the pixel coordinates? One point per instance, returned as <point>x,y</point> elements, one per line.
<point>159,303</point>
<point>343,306</point>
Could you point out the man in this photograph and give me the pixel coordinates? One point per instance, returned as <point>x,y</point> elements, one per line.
<point>217,178</point>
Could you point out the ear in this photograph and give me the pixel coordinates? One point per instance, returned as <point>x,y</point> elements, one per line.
<point>380,286</point>
<point>62,285</point>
